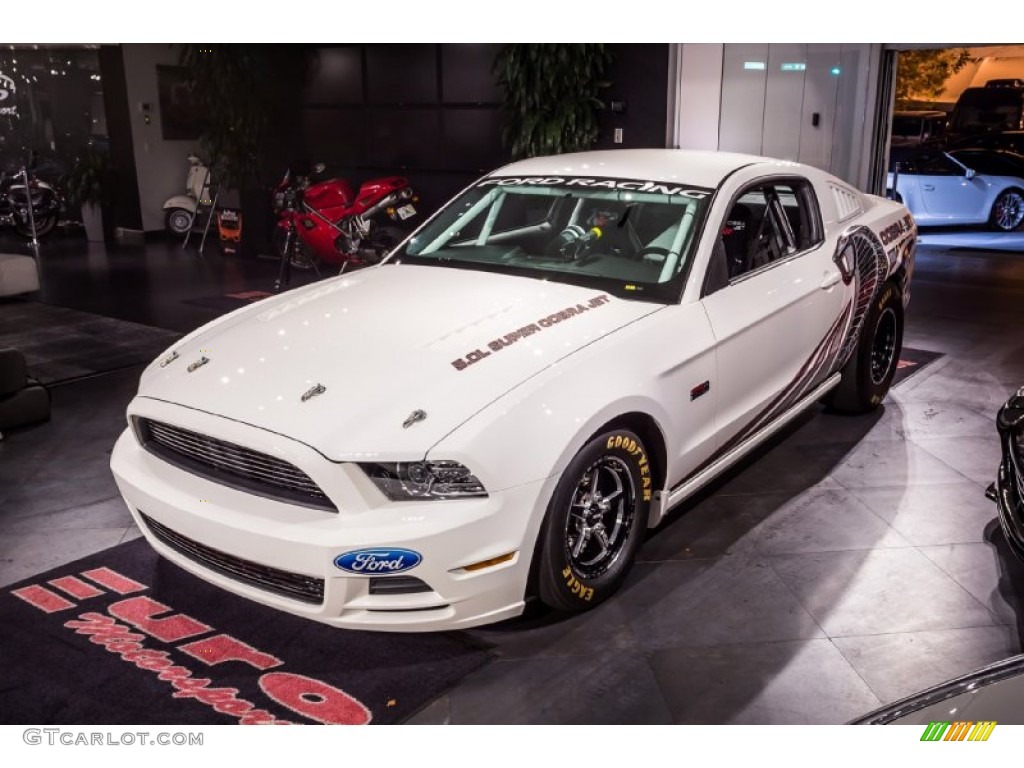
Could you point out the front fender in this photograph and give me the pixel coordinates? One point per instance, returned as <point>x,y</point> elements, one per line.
<point>181,201</point>
<point>532,432</point>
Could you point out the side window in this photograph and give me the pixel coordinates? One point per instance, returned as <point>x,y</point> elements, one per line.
<point>937,164</point>
<point>767,223</point>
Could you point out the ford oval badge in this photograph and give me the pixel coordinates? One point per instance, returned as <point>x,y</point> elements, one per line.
<point>378,562</point>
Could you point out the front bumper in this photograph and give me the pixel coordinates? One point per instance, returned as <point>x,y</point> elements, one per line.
<point>278,537</point>
<point>1008,490</point>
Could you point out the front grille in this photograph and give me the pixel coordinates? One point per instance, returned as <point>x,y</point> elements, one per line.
<point>231,464</point>
<point>397,585</point>
<point>294,585</point>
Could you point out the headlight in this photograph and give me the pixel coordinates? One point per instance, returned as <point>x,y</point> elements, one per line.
<point>424,480</point>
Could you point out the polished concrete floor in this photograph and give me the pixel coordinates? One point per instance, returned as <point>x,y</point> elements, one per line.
<point>851,562</point>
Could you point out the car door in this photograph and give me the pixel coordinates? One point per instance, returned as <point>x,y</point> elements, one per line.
<point>774,309</point>
<point>947,193</point>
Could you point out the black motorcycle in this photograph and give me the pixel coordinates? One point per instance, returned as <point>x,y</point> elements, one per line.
<point>14,202</point>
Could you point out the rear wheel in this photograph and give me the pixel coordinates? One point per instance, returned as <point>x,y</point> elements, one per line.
<point>385,239</point>
<point>1007,211</point>
<point>595,522</point>
<point>868,374</point>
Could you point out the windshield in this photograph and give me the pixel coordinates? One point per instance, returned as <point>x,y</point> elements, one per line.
<point>632,238</point>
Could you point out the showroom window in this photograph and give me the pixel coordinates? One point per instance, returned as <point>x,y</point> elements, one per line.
<point>51,101</point>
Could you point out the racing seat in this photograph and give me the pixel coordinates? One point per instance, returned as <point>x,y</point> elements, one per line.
<point>736,237</point>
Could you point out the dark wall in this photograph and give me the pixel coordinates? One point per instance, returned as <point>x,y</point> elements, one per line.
<point>432,112</point>
<point>128,212</point>
<point>427,111</point>
<point>639,78</point>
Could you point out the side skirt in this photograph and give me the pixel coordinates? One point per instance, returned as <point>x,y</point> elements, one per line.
<point>665,500</point>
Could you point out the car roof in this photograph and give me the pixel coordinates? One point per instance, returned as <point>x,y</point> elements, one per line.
<point>920,113</point>
<point>1006,154</point>
<point>701,168</point>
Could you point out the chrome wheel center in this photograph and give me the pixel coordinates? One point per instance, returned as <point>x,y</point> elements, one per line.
<point>600,517</point>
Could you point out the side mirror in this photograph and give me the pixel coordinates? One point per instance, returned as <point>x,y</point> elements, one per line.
<point>969,174</point>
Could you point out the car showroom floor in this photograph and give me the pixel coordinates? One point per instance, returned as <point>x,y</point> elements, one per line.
<point>851,562</point>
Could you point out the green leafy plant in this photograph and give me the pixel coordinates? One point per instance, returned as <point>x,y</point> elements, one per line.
<point>551,95</point>
<point>239,89</point>
<point>921,75</point>
<point>90,180</point>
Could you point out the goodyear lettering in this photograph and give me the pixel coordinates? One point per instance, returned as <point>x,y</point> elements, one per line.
<point>633,448</point>
<point>503,342</point>
<point>576,587</point>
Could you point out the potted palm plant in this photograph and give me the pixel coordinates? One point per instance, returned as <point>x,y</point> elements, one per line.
<point>551,95</point>
<point>89,184</point>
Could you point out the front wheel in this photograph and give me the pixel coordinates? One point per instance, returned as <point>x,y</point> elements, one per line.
<point>868,374</point>
<point>594,522</point>
<point>1007,211</point>
<point>178,221</point>
<point>44,225</point>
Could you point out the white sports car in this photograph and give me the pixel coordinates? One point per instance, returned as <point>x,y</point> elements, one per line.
<point>963,186</point>
<point>570,347</point>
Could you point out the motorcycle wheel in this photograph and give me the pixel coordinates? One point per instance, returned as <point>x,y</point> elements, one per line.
<point>44,225</point>
<point>178,221</point>
<point>300,257</point>
<point>385,239</point>
<point>303,258</point>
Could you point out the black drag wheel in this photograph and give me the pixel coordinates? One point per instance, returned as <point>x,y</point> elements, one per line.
<point>868,374</point>
<point>178,221</point>
<point>595,522</point>
<point>1007,211</point>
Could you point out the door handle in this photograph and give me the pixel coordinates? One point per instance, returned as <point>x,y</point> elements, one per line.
<point>830,279</point>
<point>928,187</point>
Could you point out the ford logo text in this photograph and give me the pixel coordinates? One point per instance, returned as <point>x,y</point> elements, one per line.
<point>378,561</point>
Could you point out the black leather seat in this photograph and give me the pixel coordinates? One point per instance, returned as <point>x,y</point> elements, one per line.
<point>23,400</point>
<point>736,236</point>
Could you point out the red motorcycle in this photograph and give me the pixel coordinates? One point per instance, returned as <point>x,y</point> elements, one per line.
<point>323,222</point>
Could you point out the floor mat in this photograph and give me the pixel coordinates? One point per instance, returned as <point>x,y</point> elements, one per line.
<point>911,362</point>
<point>124,637</point>
<point>229,301</point>
<point>62,344</point>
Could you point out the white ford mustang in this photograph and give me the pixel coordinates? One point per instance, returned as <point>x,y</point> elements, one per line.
<point>570,347</point>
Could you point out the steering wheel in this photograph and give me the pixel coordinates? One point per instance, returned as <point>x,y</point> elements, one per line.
<point>567,244</point>
<point>653,250</point>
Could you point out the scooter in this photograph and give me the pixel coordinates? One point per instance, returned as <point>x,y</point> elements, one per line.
<point>181,209</point>
<point>326,223</point>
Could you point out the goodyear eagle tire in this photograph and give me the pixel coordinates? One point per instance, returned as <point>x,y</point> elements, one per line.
<point>868,374</point>
<point>595,522</point>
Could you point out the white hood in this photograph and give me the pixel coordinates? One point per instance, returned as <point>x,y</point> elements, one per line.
<point>384,342</point>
